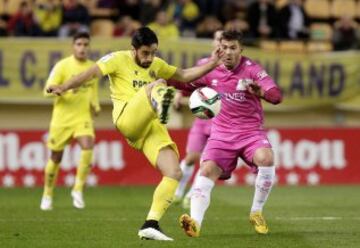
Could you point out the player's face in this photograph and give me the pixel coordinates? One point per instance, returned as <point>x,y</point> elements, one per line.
<point>144,55</point>
<point>81,48</point>
<point>232,53</point>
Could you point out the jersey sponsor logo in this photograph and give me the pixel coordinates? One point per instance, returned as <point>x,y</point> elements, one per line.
<point>235,96</point>
<point>261,75</point>
<point>139,83</point>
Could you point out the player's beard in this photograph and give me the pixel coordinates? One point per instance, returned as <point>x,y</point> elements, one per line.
<point>143,65</point>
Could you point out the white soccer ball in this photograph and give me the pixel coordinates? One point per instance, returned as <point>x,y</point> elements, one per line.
<point>205,103</point>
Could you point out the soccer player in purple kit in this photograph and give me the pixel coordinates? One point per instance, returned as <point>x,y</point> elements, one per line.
<point>237,131</point>
<point>197,138</point>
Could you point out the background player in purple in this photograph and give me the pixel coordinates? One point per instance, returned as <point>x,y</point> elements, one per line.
<point>197,138</point>
<point>237,131</point>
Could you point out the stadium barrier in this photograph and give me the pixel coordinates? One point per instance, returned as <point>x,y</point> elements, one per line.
<point>307,80</point>
<point>302,156</point>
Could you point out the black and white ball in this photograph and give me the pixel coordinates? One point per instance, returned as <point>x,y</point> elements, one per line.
<point>205,103</point>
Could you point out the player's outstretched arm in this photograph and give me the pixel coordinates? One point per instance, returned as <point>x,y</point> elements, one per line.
<point>76,81</point>
<point>193,73</point>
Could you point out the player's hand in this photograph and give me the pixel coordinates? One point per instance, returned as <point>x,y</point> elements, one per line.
<point>56,89</point>
<point>216,56</point>
<point>255,89</point>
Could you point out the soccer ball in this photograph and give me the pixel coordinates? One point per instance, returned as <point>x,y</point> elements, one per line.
<point>205,103</point>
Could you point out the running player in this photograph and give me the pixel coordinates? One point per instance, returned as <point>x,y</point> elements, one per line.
<point>141,102</point>
<point>237,131</point>
<point>197,138</point>
<point>71,119</point>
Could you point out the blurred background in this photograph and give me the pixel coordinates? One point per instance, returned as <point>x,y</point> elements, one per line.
<point>310,48</point>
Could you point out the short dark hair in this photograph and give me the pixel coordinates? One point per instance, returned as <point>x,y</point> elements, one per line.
<point>144,36</point>
<point>232,35</point>
<point>80,35</point>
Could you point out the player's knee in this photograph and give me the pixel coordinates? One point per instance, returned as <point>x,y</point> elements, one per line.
<point>211,171</point>
<point>175,173</point>
<point>264,160</point>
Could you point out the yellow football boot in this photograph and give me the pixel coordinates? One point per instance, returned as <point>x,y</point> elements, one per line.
<point>189,225</point>
<point>161,99</point>
<point>259,223</point>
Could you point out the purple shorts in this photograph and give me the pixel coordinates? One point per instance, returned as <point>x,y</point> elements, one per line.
<point>198,135</point>
<point>226,153</point>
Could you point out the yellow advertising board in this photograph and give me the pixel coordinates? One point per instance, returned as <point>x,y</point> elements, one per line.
<point>307,80</point>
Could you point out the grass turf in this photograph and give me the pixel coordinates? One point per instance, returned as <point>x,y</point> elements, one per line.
<point>297,217</point>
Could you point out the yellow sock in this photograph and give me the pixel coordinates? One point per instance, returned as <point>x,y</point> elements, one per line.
<point>162,198</point>
<point>51,172</point>
<point>83,169</point>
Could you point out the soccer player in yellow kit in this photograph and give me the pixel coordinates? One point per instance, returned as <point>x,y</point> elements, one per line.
<point>141,102</point>
<point>71,118</point>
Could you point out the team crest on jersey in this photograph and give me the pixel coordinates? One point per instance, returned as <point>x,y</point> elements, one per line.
<point>214,82</point>
<point>136,72</point>
<point>152,74</point>
<point>242,83</point>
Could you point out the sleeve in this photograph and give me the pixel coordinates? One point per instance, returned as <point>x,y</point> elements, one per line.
<point>260,76</point>
<point>272,92</point>
<point>166,71</point>
<point>95,103</point>
<point>109,63</point>
<point>55,78</point>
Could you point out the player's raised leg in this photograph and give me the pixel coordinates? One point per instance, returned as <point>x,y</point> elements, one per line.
<point>86,143</point>
<point>167,163</point>
<point>263,158</point>
<point>50,176</point>
<point>142,108</point>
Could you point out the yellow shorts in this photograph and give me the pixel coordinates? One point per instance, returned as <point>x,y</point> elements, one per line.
<point>60,136</point>
<point>138,122</point>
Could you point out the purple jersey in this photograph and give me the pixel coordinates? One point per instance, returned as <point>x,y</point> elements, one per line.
<point>200,130</point>
<point>241,112</point>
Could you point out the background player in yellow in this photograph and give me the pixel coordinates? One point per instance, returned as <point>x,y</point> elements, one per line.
<point>71,118</point>
<point>141,102</point>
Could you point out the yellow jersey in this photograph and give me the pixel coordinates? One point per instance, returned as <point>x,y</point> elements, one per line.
<point>127,77</point>
<point>73,106</point>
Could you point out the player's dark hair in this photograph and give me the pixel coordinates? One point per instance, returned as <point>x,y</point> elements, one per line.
<point>144,36</point>
<point>232,35</point>
<point>81,35</point>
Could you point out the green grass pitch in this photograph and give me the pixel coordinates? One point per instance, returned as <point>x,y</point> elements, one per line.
<point>325,216</point>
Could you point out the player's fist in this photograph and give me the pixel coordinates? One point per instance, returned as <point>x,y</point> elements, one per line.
<point>255,89</point>
<point>56,89</point>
